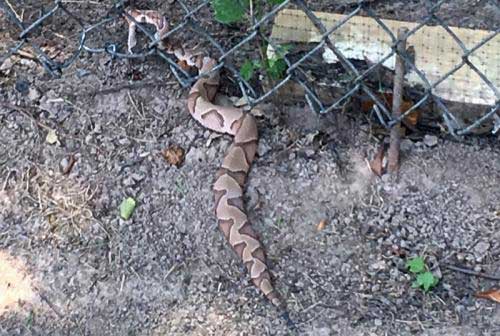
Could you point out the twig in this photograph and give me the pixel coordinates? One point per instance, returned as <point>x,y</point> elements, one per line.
<point>26,114</point>
<point>7,180</point>
<point>471,272</point>
<point>51,305</point>
<point>133,86</point>
<point>13,11</point>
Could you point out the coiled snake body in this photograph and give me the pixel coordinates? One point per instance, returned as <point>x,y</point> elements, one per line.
<point>230,179</point>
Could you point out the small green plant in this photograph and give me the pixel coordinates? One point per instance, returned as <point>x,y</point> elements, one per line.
<point>232,11</point>
<point>424,278</point>
<point>248,68</point>
<point>275,66</point>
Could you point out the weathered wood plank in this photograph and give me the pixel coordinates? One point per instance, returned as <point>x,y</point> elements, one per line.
<point>436,52</point>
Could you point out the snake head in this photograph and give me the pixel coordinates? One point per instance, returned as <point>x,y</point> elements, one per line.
<point>134,16</point>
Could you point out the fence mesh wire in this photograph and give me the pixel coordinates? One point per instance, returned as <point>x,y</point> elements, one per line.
<point>102,34</point>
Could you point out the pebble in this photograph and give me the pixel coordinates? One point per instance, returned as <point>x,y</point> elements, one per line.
<point>379,265</point>
<point>263,148</point>
<point>22,86</point>
<point>33,94</point>
<point>63,164</point>
<point>481,248</point>
<point>430,140</point>
<point>310,153</point>
<point>406,145</point>
<point>195,155</point>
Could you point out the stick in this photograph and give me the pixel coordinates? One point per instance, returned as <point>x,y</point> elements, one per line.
<point>25,113</point>
<point>397,97</point>
<point>471,272</point>
<point>133,86</point>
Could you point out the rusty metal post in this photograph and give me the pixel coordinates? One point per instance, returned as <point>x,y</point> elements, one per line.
<point>397,98</point>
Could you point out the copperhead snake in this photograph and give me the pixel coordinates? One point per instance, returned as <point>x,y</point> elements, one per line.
<point>230,178</point>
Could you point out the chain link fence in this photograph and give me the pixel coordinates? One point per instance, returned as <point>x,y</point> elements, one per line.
<point>231,54</point>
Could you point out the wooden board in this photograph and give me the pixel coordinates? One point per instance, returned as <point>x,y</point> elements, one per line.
<point>436,52</point>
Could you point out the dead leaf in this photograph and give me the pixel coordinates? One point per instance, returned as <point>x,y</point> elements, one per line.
<point>321,225</point>
<point>377,164</point>
<point>51,137</point>
<point>184,65</point>
<point>493,295</point>
<point>411,119</point>
<point>174,155</point>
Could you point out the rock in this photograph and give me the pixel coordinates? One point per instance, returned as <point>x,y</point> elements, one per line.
<point>33,94</point>
<point>22,86</point>
<point>263,148</point>
<point>309,153</point>
<point>379,265</point>
<point>430,140</point>
<point>190,134</point>
<point>6,65</point>
<point>137,177</point>
<point>481,248</point>
<point>195,155</point>
<point>406,145</point>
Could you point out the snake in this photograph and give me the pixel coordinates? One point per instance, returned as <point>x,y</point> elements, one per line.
<point>228,188</point>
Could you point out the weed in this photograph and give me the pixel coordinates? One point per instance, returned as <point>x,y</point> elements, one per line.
<point>424,278</point>
<point>233,11</point>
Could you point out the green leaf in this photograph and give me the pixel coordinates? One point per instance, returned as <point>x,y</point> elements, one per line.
<point>276,2</point>
<point>229,11</point>
<point>248,68</point>
<point>127,208</point>
<point>283,49</point>
<point>426,280</point>
<point>416,265</point>
<point>276,68</point>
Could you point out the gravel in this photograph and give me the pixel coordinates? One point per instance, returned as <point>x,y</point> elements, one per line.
<point>168,270</point>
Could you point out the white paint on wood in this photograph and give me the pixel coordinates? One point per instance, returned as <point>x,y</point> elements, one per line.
<point>436,52</point>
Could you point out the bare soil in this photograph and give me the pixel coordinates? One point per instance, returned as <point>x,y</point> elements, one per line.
<point>82,270</point>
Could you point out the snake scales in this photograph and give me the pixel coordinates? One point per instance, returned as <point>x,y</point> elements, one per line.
<point>230,179</point>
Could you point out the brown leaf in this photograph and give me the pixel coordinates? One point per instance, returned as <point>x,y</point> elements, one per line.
<point>377,164</point>
<point>493,295</point>
<point>410,119</point>
<point>184,65</point>
<point>174,155</point>
<point>136,75</point>
<point>321,225</point>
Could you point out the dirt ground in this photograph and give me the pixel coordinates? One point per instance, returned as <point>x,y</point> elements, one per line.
<point>76,268</point>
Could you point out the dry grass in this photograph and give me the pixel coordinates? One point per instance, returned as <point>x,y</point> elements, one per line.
<point>61,204</point>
